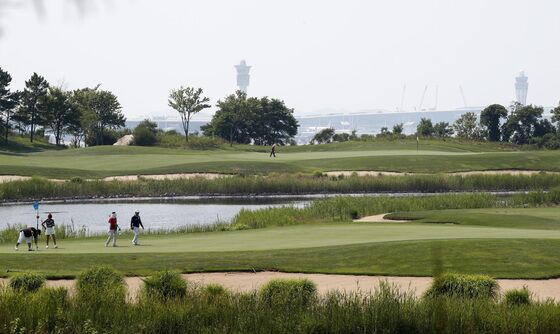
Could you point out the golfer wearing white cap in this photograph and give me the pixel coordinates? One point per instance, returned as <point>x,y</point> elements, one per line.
<point>135,224</point>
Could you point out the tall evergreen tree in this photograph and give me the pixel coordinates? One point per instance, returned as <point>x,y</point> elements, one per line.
<point>8,102</point>
<point>33,102</point>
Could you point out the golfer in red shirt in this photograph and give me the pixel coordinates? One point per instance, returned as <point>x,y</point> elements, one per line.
<point>113,226</point>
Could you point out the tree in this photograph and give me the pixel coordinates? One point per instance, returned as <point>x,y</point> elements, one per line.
<point>443,130</point>
<point>398,129</point>
<point>490,118</point>
<point>425,128</point>
<point>466,127</point>
<point>324,136</point>
<point>108,113</point>
<point>145,133</point>
<point>524,123</point>
<point>83,100</point>
<point>233,121</point>
<point>8,102</point>
<point>273,123</point>
<point>61,114</point>
<point>188,101</point>
<point>556,114</point>
<point>34,96</point>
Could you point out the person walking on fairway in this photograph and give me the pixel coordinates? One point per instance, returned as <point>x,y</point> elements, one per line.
<point>113,226</point>
<point>135,224</point>
<point>273,151</point>
<point>26,235</point>
<point>48,226</point>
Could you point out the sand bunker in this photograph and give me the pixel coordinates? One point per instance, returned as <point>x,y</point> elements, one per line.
<point>243,282</point>
<point>379,219</point>
<point>11,178</point>
<point>480,172</point>
<point>209,176</point>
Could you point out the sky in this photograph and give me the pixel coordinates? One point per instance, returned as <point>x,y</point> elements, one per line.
<point>316,55</point>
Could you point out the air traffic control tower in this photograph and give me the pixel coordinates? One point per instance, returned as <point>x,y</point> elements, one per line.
<point>243,75</point>
<point>521,88</point>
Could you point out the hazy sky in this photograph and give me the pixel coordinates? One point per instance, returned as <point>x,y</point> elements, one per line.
<point>314,54</point>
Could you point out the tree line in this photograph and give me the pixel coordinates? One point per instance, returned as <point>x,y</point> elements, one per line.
<point>87,114</point>
<point>519,125</point>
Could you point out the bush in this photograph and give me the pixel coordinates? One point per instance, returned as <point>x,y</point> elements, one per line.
<point>288,292</point>
<point>76,179</point>
<point>165,285</point>
<point>27,282</point>
<point>100,284</point>
<point>463,286</point>
<point>214,292</point>
<point>145,133</point>
<point>518,297</point>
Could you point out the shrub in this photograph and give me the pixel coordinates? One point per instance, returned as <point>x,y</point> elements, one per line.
<point>76,179</point>
<point>27,282</point>
<point>214,292</point>
<point>100,284</point>
<point>165,285</point>
<point>463,286</point>
<point>288,291</point>
<point>518,297</point>
<point>145,133</point>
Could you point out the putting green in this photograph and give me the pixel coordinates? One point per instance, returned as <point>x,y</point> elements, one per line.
<point>294,237</point>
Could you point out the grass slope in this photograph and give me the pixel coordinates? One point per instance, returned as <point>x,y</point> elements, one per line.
<point>415,249</point>
<point>527,218</point>
<point>511,258</point>
<point>433,157</point>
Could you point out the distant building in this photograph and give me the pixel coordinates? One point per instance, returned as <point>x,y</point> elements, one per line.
<point>243,75</point>
<point>521,88</point>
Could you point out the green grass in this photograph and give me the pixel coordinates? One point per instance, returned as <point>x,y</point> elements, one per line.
<point>529,218</point>
<point>433,156</point>
<point>388,249</point>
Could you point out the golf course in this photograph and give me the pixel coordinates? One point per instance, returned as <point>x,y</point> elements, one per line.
<point>397,212</point>
<point>432,156</point>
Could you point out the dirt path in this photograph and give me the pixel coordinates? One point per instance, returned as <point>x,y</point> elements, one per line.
<point>242,282</point>
<point>481,172</point>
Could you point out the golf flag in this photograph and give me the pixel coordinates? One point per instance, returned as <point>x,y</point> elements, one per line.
<point>36,208</point>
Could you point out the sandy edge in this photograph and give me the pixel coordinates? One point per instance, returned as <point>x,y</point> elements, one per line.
<point>211,176</point>
<point>379,219</point>
<point>481,172</point>
<point>244,282</point>
<point>181,176</point>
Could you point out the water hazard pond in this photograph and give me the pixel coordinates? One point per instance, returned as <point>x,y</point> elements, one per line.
<point>155,213</point>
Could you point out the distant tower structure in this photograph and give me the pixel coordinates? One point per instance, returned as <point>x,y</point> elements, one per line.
<point>521,88</point>
<point>243,75</point>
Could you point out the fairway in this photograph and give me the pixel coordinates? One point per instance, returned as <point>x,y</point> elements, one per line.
<point>470,245</point>
<point>301,236</point>
<point>94,162</point>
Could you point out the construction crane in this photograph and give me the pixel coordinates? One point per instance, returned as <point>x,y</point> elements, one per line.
<point>436,102</point>
<point>422,100</point>
<point>463,95</point>
<point>402,97</point>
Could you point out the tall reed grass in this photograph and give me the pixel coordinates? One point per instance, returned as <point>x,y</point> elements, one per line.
<point>346,208</point>
<point>294,184</point>
<point>386,310</point>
